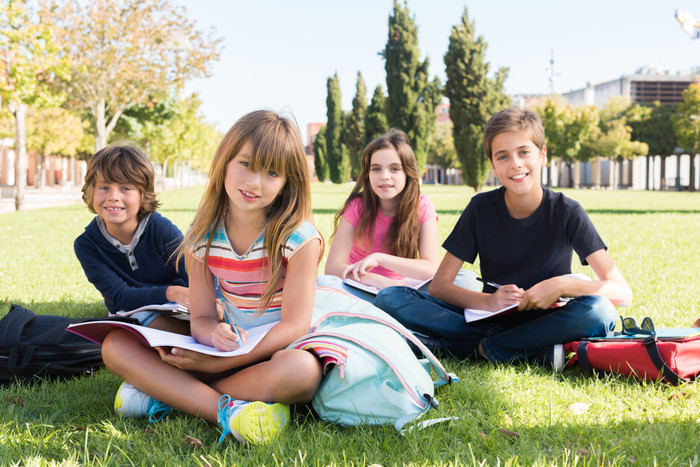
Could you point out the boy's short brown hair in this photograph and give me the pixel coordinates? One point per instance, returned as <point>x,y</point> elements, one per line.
<point>125,164</point>
<point>513,119</point>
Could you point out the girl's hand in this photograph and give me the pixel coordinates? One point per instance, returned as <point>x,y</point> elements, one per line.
<point>225,339</point>
<point>541,295</point>
<point>190,360</point>
<point>505,296</point>
<point>362,267</point>
<point>179,294</point>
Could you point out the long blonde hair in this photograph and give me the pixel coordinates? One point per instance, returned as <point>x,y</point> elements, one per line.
<point>276,145</point>
<point>402,237</point>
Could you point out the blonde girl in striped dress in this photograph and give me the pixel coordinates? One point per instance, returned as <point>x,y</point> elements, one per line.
<point>253,245</point>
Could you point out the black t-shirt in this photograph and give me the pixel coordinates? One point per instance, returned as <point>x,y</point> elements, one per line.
<point>523,251</point>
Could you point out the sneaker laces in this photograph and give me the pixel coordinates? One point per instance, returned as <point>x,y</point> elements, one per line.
<point>157,410</point>
<point>227,405</point>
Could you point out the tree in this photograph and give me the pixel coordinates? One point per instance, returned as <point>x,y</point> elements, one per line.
<point>686,125</point>
<point>567,129</point>
<point>412,98</point>
<point>336,154</point>
<point>53,130</point>
<point>653,124</point>
<point>354,130</point>
<point>320,160</point>
<point>615,138</point>
<point>375,118</point>
<point>443,153</point>
<point>126,52</point>
<point>30,59</point>
<point>473,97</point>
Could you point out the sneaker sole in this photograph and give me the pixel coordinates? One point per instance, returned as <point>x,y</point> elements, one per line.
<point>260,422</point>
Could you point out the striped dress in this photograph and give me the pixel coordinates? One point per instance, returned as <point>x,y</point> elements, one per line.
<point>243,280</point>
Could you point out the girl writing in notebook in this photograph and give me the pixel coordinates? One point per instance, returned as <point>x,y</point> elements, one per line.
<point>375,239</point>
<point>252,241</point>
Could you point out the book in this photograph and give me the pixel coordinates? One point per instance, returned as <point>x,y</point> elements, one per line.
<point>471,315</point>
<point>415,283</point>
<point>96,331</point>
<point>170,309</point>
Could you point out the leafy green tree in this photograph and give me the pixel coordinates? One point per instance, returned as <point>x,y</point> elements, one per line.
<point>653,124</point>
<point>473,97</point>
<point>412,97</point>
<point>354,130</point>
<point>320,161</point>
<point>443,153</point>
<point>615,138</point>
<point>686,125</point>
<point>126,52</point>
<point>567,129</point>
<point>30,58</point>
<point>375,118</point>
<point>52,131</point>
<point>336,154</point>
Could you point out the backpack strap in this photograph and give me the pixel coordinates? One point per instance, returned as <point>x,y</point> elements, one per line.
<point>12,324</point>
<point>582,355</point>
<point>11,328</point>
<point>655,356</point>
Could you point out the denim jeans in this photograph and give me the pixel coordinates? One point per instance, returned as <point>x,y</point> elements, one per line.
<point>519,336</point>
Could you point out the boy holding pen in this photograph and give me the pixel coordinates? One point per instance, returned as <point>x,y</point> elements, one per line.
<point>524,235</point>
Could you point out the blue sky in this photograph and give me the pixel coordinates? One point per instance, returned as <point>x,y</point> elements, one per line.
<point>278,54</point>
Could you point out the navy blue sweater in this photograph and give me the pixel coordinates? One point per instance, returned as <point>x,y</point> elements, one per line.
<point>110,270</point>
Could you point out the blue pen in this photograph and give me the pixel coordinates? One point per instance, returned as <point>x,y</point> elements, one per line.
<point>229,320</point>
<point>491,284</point>
<point>227,313</point>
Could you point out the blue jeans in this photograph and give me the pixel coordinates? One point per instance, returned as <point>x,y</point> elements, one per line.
<point>518,336</point>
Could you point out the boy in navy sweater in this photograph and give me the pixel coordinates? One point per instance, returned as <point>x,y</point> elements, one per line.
<point>524,235</point>
<point>127,250</point>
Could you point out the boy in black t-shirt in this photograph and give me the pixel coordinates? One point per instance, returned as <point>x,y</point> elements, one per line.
<point>524,235</point>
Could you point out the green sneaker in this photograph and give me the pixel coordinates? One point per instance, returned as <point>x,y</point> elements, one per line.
<point>255,422</point>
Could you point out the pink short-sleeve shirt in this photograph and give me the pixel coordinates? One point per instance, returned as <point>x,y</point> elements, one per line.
<point>381,227</point>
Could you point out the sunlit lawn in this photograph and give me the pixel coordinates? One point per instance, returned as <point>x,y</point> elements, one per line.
<point>653,237</point>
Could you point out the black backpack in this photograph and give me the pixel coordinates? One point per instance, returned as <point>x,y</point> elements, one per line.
<point>37,347</point>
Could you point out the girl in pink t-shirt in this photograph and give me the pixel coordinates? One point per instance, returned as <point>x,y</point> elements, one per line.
<point>386,232</point>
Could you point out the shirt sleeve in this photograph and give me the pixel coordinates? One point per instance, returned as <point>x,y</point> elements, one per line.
<point>582,234</point>
<point>427,209</point>
<point>353,211</point>
<point>117,292</point>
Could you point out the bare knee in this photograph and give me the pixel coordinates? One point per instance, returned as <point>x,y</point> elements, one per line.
<point>300,375</point>
<point>117,349</point>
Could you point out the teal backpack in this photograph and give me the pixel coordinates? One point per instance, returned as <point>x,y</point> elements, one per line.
<point>371,375</point>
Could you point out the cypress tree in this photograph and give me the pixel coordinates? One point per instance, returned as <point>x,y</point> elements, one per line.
<point>354,131</point>
<point>320,161</point>
<point>412,98</point>
<point>336,155</point>
<point>473,97</point>
<point>375,118</point>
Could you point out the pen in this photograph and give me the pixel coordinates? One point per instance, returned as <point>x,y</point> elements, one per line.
<point>229,320</point>
<point>491,284</point>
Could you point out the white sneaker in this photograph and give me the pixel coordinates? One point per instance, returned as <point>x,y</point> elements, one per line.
<point>130,402</point>
<point>558,358</point>
<point>255,422</point>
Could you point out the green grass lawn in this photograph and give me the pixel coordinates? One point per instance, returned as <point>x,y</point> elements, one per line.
<point>509,415</point>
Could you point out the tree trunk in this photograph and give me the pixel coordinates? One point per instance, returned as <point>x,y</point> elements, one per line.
<point>662,185</point>
<point>648,182</point>
<point>40,171</point>
<point>21,154</point>
<point>576,180</point>
<point>100,125</point>
<point>691,186</point>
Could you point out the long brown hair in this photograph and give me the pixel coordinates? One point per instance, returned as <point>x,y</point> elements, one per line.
<point>276,145</point>
<point>402,237</point>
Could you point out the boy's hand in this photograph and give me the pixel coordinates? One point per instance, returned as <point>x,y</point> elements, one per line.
<point>505,296</point>
<point>541,295</point>
<point>179,294</point>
